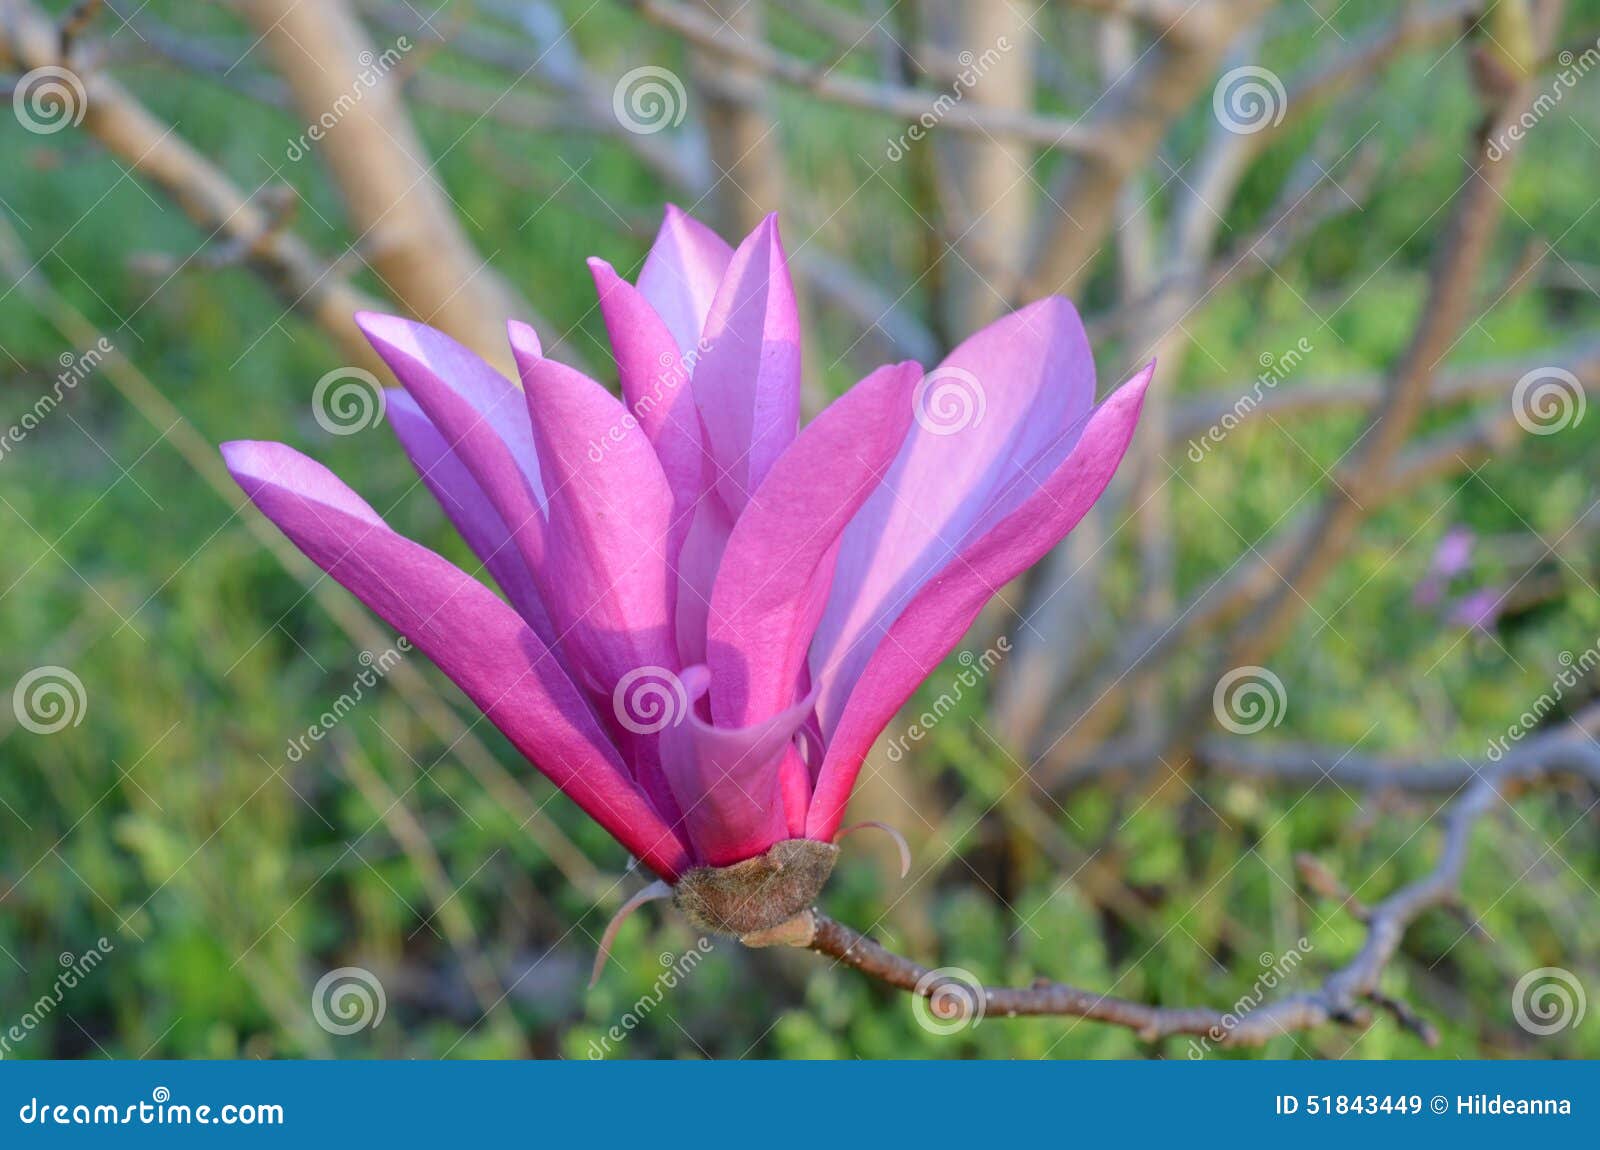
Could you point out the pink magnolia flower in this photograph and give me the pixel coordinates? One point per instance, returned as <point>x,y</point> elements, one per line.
<point>710,612</point>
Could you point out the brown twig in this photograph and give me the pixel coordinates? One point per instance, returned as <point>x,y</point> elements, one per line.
<point>903,103</point>
<point>1345,996</point>
<point>154,150</point>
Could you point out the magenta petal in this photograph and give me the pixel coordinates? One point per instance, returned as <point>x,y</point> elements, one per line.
<point>939,615</point>
<point>468,508</point>
<point>1002,410</point>
<point>699,559</point>
<point>608,588</point>
<point>681,274</point>
<point>478,412</point>
<point>655,386</point>
<point>726,778</point>
<point>778,566</point>
<point>472,636</point>
<point>747,380</point>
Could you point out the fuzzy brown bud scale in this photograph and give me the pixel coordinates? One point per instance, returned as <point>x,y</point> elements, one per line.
<point>763,901</point>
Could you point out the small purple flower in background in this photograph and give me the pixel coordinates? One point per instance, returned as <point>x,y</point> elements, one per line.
<point>710,612</point>
<point>1478,608</point>
<point>1450,558</point>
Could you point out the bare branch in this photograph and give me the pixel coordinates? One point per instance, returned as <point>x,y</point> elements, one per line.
<point>1315,397</point>
<point>407,229</point>
<point>155,151</point>
<point>1346,996</point>
<point>902,103</point>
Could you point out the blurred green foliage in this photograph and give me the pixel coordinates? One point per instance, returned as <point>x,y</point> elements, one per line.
<point>229,878</point>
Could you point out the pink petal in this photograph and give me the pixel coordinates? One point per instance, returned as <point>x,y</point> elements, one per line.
<point>681,274</point>
<point>726,778</point>
<point>699,558</point>
<point>472,636</point>
<point>468,508</point>
<point>478,412</point>
<point>747,381</point>
<point>608,589</point>
<point>1004,406</point>
<point>778,566</point>
<point>940,613</point>
<point>655,386</point>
